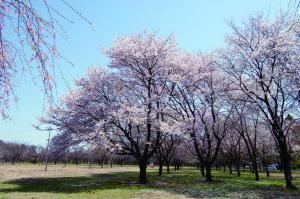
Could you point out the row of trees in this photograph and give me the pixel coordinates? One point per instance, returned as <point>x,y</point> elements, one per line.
<point>12,153</point>
<point>233,155</point>
<point>154,95</point>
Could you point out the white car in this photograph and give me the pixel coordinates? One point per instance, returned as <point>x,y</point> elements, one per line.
<point>272,167</point>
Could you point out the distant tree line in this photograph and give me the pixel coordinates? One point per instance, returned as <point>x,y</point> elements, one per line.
<point>236,154</point>
<point>14,153</point>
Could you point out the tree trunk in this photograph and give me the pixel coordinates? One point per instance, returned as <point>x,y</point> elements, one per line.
<point>238,169</point>
<point>202,170</point>
<point>280,165</point>
<point>260,169</point>
<point>160,168</point>
<point>238,166</point>
<point>143,174</point>
<point>168,167</point>
<point>285,162</point>
<point>230,168</point>
<point>267,171</point>
<point>255,170</point>
<point>208,173</point>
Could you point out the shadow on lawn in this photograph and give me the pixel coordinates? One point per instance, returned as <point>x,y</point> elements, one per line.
<point>186,183</point>
<point>71,184</point>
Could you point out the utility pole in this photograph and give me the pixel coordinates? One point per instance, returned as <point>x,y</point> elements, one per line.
<point>1,158</point>
<point>90,158</point>
<point>1,154</point>
<point>48,142</point>
<point>66,157</point>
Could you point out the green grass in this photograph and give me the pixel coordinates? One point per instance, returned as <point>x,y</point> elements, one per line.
<point>185,183</point>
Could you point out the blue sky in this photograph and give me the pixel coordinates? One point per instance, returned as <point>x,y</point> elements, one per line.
<point>197,24</point>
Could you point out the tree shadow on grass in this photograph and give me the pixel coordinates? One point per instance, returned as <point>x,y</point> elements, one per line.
<point>184,183</point>
<point>71,184</point>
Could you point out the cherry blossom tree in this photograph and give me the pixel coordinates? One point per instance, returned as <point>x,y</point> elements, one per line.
<point>123,109</point>
<point>197,96</point>
<point>143,62</point>
<point>247,127</point>
<point>262,61</point>
<point>78,113</point>
<point>230,149</point>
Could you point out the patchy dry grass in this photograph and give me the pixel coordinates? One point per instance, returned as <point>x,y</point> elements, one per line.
<point>30,181</point>
<point>11,172</point>
<point>154,194</point>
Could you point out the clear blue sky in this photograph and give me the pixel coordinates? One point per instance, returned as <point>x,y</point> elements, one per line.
<point>197,25</point>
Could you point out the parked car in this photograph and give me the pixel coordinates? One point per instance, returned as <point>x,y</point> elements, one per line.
<point>272,167</point>
<point>151,165</point>
<point>277,166</point>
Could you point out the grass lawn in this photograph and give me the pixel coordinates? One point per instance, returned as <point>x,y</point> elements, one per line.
<point>30,181</point>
